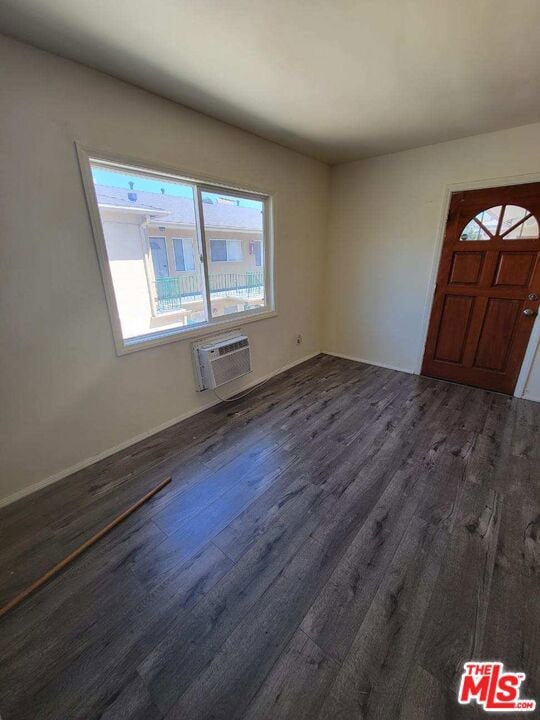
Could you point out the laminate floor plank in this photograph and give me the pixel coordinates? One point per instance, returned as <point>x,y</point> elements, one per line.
<point>107,487</point>
<point>338,611</point>
<point>296,685</point>
<point>456,619</point>
<point>335,544</point>
<point>132,702</point>
<point>371,679</point>
<point>425,698</point>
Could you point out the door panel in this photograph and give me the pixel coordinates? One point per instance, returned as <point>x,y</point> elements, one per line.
<point>453,328</point>
<point>498,327</point>
<point>486,297</point>
<point>466,268</point>
<point>515,269</point>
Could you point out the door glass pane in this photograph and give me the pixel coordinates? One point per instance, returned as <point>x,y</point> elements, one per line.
<point>189,255</point>
<point>490,218</point>
<point>178,255</point>
<point>483,226</point>
<point>233,227</point>
<point>258,253</point>
<point>155,287</point>
<point>472,231</point>
<point>528,230</point>
<point>524,230</point>
<point>512,214</point>
<point>183,254</point>
<point>159,257</point>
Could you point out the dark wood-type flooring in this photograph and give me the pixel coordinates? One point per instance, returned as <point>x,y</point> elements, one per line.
<point>335,545</point>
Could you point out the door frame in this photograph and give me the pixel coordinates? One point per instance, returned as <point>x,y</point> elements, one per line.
<point>534,340</point>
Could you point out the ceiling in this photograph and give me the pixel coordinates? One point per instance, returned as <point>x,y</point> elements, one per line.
<point>335,79</point>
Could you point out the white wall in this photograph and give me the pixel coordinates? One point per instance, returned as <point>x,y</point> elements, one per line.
<point>65,395</point>
<point>385,221</point>
<point>532,384</point>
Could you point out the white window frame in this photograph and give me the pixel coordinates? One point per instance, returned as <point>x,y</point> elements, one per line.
<point>200,184</point>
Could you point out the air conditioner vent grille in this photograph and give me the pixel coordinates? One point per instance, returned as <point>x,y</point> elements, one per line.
<point>225,349</point>
<point>231,366</point>
<point>220,360</point>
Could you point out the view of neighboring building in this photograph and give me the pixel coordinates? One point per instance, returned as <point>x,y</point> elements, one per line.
<point>152,248</point>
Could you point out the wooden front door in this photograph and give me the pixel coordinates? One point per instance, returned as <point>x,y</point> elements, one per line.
<point>486,297</point>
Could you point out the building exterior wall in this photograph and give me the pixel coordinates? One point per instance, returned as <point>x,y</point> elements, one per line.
<point>124,239</point>
<point>246,238</point>
<point>137,287</point>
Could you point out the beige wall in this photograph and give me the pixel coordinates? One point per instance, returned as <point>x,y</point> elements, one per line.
<point>66,396</point>
<point>386,214</point>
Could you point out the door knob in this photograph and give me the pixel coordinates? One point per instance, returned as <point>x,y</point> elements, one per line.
<point>529,312</point>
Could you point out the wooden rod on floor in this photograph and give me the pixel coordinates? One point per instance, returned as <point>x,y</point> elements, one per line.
<point>79,551</point>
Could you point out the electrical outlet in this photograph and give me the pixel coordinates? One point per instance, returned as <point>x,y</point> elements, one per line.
<point>299,339</point>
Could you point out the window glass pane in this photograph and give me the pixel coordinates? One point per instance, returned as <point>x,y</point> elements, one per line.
<point>158,250</point>
<point>140,215</point>
<point>483,226</point>
<point>234,251</point>
<point>233,228</point>
<point>524,230</point>
<point>528,230</point>
<point>490,218</point>
<point>473,231</point>
<point>512,215</point>
<point>218,250</point>
<point>178,255</point>
<point>189,257</point>
<point>183,255</point>
<point>257,249</point>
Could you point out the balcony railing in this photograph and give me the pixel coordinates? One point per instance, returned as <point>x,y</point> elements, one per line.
<point>171,293</point>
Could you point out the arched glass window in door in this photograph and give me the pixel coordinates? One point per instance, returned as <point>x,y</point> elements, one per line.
<point>518,224</point>
<point>483,226</point>
<point>509,222</point>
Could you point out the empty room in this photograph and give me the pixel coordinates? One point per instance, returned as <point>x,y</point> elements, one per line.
<point>269,359</point>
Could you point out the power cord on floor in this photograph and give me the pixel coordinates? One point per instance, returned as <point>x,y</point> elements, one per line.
<point>234,398</point>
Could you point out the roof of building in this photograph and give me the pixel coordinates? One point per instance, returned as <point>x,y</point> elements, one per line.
<point>180,210</point>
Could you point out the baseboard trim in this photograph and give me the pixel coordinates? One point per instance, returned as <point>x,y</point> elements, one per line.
<point>137,438</point>
<point>525,396</point>
<point>369,362</point>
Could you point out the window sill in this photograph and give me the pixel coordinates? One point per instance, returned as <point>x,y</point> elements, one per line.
<point>165,337</point>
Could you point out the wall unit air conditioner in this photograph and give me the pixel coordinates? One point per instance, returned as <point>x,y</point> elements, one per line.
<point>221,359</point>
